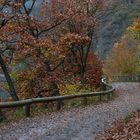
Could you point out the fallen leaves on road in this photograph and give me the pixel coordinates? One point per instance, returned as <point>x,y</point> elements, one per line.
<point>127,129</point>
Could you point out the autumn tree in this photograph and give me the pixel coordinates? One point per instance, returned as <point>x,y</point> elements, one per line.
<point>6,15</point>
<point>124,58</point>
<point>41,44</point>
<point>134,30</point>
<point>121,61</point>
<point>85,23</point>
<point>42,51</point>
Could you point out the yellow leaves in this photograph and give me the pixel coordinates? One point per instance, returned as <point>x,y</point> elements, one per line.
<point>135,28</point>
<point>120,61</point>
<point>61,56</point>
<point>25,75</point>
<point>45,43</point>
<point>124,57</point>
<point>136,25</point>
<point>69,89</point>
<point>48,48</point>
<point>73,39</point>
<point>11,26</point>
<point>60,48</point>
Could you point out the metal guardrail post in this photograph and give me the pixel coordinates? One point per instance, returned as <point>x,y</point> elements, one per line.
<point>85,101</point>
<point>2,116</point>
<point>100,97</point>
<point>27,110</point>
<point>59,104</point>
<point>109,96</point>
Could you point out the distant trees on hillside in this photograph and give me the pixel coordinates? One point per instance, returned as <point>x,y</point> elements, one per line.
<point>124,59</point>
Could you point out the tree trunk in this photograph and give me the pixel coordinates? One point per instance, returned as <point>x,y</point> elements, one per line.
<point>55,92</point>
<point>54,89</point>
<point>53,86</point>
<point>82,77</point>
<point>82,80</point>
<point>9,80</point>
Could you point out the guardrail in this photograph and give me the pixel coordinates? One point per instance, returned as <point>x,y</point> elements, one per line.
<point>107,90</point>
<point>125,78</point>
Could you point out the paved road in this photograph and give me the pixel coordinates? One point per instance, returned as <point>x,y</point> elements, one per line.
<point>81,123</point>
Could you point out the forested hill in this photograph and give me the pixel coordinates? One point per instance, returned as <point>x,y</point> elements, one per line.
<point>117,16</point>
<point>114,23</point>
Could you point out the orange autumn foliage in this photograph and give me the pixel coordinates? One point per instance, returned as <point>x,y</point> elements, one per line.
<point>43,41</point>
<point>121,61</point>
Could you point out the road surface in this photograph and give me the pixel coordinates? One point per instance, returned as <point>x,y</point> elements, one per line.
<point>82,123</point>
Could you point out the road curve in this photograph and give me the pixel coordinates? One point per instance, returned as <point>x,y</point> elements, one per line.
<point>82,123</point>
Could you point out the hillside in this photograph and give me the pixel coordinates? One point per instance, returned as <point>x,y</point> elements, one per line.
<point>114,22</point>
